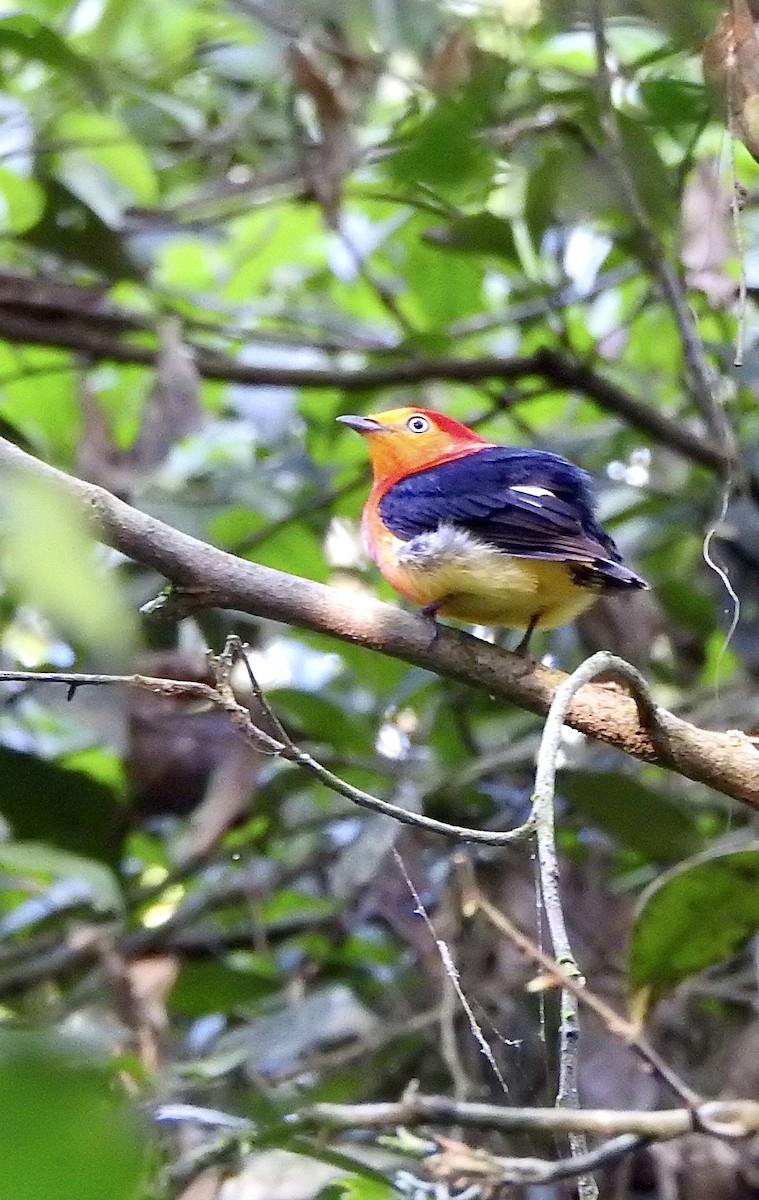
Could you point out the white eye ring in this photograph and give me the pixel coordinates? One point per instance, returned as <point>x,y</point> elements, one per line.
<point>418,424</point>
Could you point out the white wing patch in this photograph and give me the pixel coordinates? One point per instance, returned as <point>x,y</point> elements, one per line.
<point>528,490</point>
<point>532,493</point>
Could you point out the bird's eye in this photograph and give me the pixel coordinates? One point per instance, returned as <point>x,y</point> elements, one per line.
<point>418,424</point>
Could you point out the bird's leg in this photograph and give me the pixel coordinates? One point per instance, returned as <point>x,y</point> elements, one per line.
<point>522,648</point>
<point>430,612</point>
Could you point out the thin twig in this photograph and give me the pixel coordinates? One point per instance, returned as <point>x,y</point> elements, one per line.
<point>740,249</point>
<point>625,1132</point>
<point>452,975</point>
<point>382,291</point>
<point>543,305</point>
<point>287,749</point>
<point>222,697</point>
<point>733,1118</point>
<point>548,867</point>
<point>533,1171</point>
<point>303,508</point>
<point>602,663</point>
<point>474,901</point>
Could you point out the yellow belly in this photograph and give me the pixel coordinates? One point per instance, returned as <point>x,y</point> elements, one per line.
<point>483,586</point>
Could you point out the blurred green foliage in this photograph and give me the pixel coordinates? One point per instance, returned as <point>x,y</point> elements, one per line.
<point>695,915</point>
<point>67,1129</point>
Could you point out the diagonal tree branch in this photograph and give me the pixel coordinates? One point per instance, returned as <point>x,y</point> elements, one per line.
<point>726,761</point>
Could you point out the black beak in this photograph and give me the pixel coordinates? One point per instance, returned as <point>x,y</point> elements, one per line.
<point>361,424</point>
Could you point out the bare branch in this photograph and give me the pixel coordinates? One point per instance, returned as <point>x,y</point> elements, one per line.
<point>94,338</point>
<point>542,817</point>
<point>734,1117</point>
<point>548,860</point>
<point>725,761</point>
<point>531,1171</point>
<point>625,1132</point>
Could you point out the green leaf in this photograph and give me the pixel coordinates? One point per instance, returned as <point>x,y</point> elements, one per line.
<point>559,189</point>
<point>102,164</point>
<point>480,233</point>
<point>447,736</point>
<point>50,558</point>
<point>673,102</point>
<point>687,603</point>
<point>264,241</point>
<point>73,232</point>
<point>287,905</point>
<point>48,863</point>
<point>295,549</point>
<point>67,1130</point>
<point>47,414</point>
<point>653,178</point>
<point>22,202</point>
<point>212,986</point>
<point>185,265</point>
<point>65,808</point>
<point>309,715</point>
<point>357,1172</point>
<point>30,38</point>
<point>102,766</point>
<point>635,815</point>
<point>694,916</point>
<point>440,287</point>
<point>443,148</point>
<point>355,1187</point>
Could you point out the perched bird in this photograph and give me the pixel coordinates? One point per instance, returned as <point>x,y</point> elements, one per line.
<point>492,535</point>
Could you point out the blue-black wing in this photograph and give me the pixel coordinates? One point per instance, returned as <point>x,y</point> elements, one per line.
<point>528,503</point>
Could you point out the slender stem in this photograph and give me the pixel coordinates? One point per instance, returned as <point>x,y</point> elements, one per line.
<point>624,1132</point>
<point>96,341</point>
<point>548,863</point>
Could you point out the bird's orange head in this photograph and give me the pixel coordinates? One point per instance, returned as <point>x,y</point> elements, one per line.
<point>406,440</point>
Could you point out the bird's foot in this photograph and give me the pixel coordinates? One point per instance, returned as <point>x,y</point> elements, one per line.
<point>430,612</point>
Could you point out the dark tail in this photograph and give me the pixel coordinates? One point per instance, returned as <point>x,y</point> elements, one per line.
<point>606,575</point>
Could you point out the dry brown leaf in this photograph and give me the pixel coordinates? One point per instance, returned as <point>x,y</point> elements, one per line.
<point>171,412</point>
<point>731,63</point>
<point>707,237</point>
<point>330,157</point>
<point>458,1164</point>
<point>451,63</point>
<point>310,78</point>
